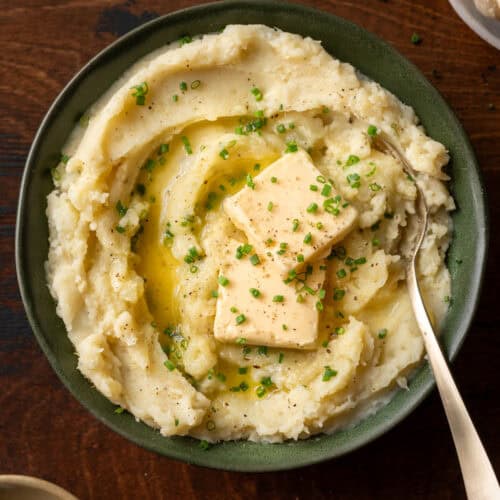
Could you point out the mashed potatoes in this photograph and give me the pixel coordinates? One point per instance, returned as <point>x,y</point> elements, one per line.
<point>140,231</point>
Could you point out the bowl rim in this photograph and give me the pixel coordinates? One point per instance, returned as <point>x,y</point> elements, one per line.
<point>207,459</point>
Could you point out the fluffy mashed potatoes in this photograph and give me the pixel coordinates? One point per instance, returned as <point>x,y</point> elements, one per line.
<point>139,233</point>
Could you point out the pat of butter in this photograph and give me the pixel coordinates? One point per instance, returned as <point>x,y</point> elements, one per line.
<point>281,208</point>
<point>271,315</point>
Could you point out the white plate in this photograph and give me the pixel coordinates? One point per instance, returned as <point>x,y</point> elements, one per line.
<point>487,28</point>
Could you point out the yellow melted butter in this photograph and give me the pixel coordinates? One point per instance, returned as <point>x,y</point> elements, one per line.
<point>156,263</point>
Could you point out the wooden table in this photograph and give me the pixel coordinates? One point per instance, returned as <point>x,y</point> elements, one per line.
<point>45,432</point>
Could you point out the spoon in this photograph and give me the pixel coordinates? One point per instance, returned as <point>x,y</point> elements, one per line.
<point>477,471</point>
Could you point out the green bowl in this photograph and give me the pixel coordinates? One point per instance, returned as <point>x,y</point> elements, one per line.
<point>343,40</point>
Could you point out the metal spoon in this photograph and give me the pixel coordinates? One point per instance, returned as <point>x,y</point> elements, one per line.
<point>477,471</point>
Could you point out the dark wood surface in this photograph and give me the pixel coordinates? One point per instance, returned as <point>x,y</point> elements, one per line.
<point>45,432</point>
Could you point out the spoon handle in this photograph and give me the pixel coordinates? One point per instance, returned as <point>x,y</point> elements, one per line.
<point>477,471</point>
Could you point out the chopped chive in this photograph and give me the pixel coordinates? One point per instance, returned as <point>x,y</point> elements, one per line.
<point>354,180</point>
<point>372,130</point>
<point>183,86</point>
<point>262,349</point>
<point>312,208</point>
<point>325,109</point>
<point>249,182</point>
<point>322,294</point>
<point>255,292</point>
<point>187,145</point>
<point>233,309</point>
<point>361,260</point>
<point>352,160</point>
<point>327,189</point>
<point>240,319</point>
<point>221,377</point>
<point>242,370</point>
<point>321,179</point>
<point>121,209</point>
<point>296,224</point>
<point>243,250</point>
<point>313,187</point>
<point>214,294</point>
<point>254,259</point>
<point>382,333</point>
<point>319,225</point>
<point>339,330</point>
<point>270,206</point>
<point>266,381</point>
<point>338,294</point>
<point>204,445</point>
<point>150,165</point>
<point>257,94</point>
<point>341,273</point>
<point>140,93</point>
<point>281,128</point>
<point>239,131</point>
<point>120,229</point>
<point>375,187</point>
<point>185,39</point>
<point>175,98</point>
<point>375,242</point>
<point>241,341</point>
<point>119,410</point>
<point>415,39</point>
<point>308,239</point>
<point>371,172</point>
<point>300,298</point>
<point>170,366</point>
<point>319,306</point>
<point>291,147</point>
<point>223,281</point>
<point>224,154</point>
<point>274,180</point>
<point>280,357</point>
<point>300,258</point>
<point>193,269</point>
<point>328,374</point>
<point>278,298</point>
<point>260,391</point>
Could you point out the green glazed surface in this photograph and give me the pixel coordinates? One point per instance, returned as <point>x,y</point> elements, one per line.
<point>343,40</point>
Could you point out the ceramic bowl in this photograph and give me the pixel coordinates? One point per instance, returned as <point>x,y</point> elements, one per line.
<point>343,40</point>
<point>16,487</point>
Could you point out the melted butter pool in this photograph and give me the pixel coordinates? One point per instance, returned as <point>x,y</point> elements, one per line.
<point>156,262</point>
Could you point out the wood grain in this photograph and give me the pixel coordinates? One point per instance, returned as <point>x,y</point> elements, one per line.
<point>46,433</point>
